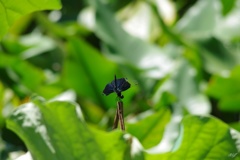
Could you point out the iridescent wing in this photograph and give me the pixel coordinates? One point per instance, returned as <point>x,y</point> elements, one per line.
<point>117,85</point>
<point>122,84</point>
<point>109,88</point>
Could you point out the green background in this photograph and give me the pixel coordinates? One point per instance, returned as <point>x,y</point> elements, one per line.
<point>181,58</point>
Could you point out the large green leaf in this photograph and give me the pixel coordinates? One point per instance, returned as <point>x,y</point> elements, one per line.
<point>55,130</point>
<point>11,10</point>
<point>149,130</point>
<point>27,122</point>
<point>202,138</point>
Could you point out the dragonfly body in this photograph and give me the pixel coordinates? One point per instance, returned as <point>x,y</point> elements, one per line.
<point>117,86</point>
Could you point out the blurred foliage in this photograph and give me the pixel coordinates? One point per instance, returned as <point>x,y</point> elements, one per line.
<point>181,58</point>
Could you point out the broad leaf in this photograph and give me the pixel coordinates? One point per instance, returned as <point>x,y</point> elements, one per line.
<point>149,130</point>
<point>202,138</point>
<point>54,130</point>
<point>11,10</point>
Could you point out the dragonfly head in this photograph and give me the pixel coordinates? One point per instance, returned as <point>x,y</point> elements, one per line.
<point>119,94</point>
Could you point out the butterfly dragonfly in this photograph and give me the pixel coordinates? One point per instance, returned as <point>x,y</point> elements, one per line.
<point>117,86</point>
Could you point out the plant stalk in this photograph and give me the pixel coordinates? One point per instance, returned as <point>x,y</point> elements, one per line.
<point>119,116</point>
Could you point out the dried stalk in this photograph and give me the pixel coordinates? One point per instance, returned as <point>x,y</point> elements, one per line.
<point>119,116</point>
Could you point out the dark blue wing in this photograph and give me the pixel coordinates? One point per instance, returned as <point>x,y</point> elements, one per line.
<point>122,84</point>
<point>108,89</point>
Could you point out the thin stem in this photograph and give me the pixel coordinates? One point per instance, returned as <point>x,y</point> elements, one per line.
<point>116,119</point>
<point>120,114</point>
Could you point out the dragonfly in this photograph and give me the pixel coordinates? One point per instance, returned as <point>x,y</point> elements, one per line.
<point>118,86</point>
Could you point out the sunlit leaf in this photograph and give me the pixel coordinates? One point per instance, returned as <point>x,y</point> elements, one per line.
<point>55,130</point>
<point>27,123</point>
<point>149,130</point>
<point>10,11</point>
<point>202,138</point>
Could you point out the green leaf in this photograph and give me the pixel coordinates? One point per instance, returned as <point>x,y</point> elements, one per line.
<point>235,125</point>
<point>226,89</point>
<point>230,103</point>
<point>166,100</point>
<point>227,6</point>
<point>54,130</point>
<point>112,143</point>
<point>202,138</point>
<point>72,138</point>
<point>10,11</point>
<point>149,130</point>
<point>27,123</point>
